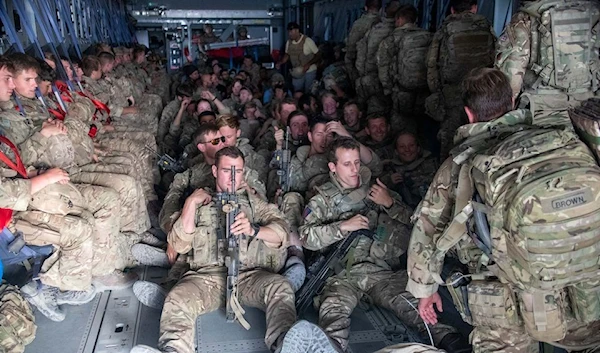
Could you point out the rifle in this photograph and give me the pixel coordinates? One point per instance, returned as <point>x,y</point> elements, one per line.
<point>166,162</point>
<point>325,267</point>
<point>230,206</point>
<point>281,160</point>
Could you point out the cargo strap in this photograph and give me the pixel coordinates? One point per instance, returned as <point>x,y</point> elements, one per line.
<point>6,213</point>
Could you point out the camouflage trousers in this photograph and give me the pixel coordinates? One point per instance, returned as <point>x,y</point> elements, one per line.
<point>579,337</point>
<point>70,266</point>
<point>502,340</point>
<point>122,247</point>
<point>133,143</point>
<point>200,293</point>
<point>292,208</point>
<point>133,211</point>
<point>385,288</point>
<point>17,323</point>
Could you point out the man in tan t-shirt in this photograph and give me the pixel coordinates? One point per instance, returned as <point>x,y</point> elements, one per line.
<point>303,53</point>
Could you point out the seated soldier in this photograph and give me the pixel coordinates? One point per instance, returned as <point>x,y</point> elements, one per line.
<point>265,142</point>
<point>330,107</point>
<point>349,202</point>
<point>250,123</point>
<point>379,137</point>
<point>259,285</point>
<point>309,104</point>
<point>411,170</point>
<point>352,120</point>
<point>183,93</point>
<point>67,277</point>
<point>229,126</point>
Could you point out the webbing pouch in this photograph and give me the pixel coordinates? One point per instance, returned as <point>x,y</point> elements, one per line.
<point>543,313</point>
<point>585,300</point>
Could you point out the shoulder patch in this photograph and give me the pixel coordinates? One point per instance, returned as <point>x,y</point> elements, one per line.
<point>307,212</point>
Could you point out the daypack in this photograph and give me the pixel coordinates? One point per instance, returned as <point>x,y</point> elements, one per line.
<point>540,191</point>
<point>565,44</point>
<point>411,58</point>
<point>467,44</point>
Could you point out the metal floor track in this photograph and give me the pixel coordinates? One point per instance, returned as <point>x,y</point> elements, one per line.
<point>115,321</point>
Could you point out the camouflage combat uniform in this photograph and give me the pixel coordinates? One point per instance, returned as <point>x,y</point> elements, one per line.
<point>417,175</point>
<point>537,81</point>
<point>471,47</point>
<point>17,323</point>
<point>374,263</point>
<point>203,289</point>
<point>401,62</point>
<point>198,176</point>
<point>359,28</point>
<point>166,119</point>
<point>384,149</point>
<point>368,85</point>
<point>58,151</point>
<point>69,268</point>
<point>505,332</point>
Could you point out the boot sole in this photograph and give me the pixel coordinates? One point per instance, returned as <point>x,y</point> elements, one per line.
<point>150,256</point>
<point>150,294</point>
<point>305,337</point>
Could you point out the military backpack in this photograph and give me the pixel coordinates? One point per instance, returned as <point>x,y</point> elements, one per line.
<point>467,44</point>
<point>539,190</point>
<point>411,58</point>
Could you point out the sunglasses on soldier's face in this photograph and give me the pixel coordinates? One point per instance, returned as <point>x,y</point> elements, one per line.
<point>216,141</point>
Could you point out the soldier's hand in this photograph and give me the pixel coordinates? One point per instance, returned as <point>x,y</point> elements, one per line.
<point>109,128</point>
<point>338,128</point>
<point>95,158</point>
<point>380,195</point>
<point>171,254</point>
<point>199,197</point>
<point>185,102</point>
<point>355,223</point>
<point>56,175</point>
<point>50,128</point>
<point>241,225</point>
<point>397,178</point>
<point>278,193</point>
<point>207,95</point>
<point>279,136</point>
<point>426,309</point>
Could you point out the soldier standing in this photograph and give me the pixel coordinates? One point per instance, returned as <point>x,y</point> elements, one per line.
<point>303,53</point>
<point>359,28</point>
<point>464,42</point>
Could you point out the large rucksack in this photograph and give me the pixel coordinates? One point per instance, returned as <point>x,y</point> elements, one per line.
<point>565,44</point>
<point>468,44</point>
<point>540,191</point>
<point>411,58</point>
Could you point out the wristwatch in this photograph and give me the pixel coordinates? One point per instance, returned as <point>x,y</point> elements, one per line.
<point>256,229</point>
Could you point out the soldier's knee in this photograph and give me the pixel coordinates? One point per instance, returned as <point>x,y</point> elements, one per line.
<point>280,285</point>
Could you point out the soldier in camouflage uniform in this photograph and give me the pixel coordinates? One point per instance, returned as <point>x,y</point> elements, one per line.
<point>359,29</point>
<point>17,323</point>
<point>229,126</point>
<point>209,37</point>
<point>352,119</point>
<point>401,62</point>
<point>23,191</point>
<point>489,106</point>
<point>368,85</point>
<point>351,202</point>
<point>464,42</point>
<point>252,68</point>
<point>94,198</point>
<point>209,141</point>
<point>184,92</point>
<point>411,170</point>
<point>262,255</point>
<point>379,138</point>
<point>550,76</point>
<point>265,141</point>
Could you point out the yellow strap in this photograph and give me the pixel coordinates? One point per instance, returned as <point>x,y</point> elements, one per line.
<point>238,310</point>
